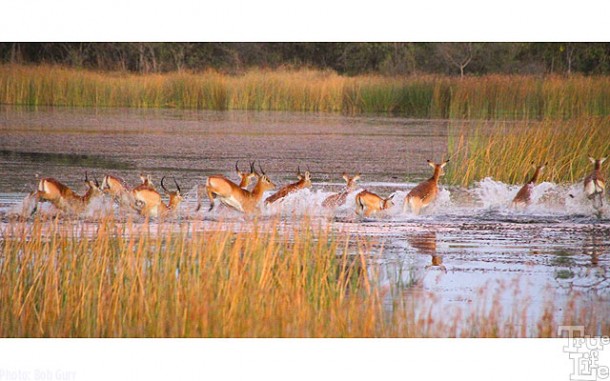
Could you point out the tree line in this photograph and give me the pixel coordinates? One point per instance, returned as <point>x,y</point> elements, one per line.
<point>386,58</point>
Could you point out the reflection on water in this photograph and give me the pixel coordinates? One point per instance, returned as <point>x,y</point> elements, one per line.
<point>468,240</point>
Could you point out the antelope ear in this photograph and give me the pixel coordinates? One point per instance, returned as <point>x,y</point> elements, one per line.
<point>591,159</point>
<point>445,163</point>
<point>345,177</point>
<point>602,159</point>
<point>357,177</point>
<point>431,163</point>
<point>391,196</point>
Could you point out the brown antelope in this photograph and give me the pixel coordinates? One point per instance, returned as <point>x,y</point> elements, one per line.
<point>304,182</point>
<point>595,183</point>
<point>232,195</point>
<point>425,192</point>
<point>371,203</point>
<point>148,201</point>
<point>118,189</point>
<point>244,182</point>
<point>64,198</point>
<point>524,196</point>
<point>338,199</point>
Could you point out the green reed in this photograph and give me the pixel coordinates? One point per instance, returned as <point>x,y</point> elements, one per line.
<point>425,96</point>
<point>505,150</point>
<point>64,278</point>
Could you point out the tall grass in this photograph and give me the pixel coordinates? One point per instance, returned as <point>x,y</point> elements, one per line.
<point>486,97</point>
<point>505,150</point>
<point>116,279</point>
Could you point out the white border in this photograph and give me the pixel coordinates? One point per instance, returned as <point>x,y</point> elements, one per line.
<point>312,20</point>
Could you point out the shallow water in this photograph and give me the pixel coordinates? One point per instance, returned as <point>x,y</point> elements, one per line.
<point>466,246</point>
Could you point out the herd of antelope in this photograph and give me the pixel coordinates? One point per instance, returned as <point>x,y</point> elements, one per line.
<point>147,201</point>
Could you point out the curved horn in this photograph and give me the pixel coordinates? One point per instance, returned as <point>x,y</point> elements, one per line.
<point>299,170</point>
<point>261,168</point>
<point>236,168</point>
<point>163,186</point>
<point>97,184</point>
<point>86,177</point>
<point>252,170</point>
<point>177,186</point>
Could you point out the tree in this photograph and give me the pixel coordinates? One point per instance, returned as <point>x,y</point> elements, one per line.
<point>457,54</point>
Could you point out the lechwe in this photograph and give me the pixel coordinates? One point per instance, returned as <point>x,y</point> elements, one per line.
<point>425,193</point>
<point>120,192</point>
<point>524,196</point>
<point>148,201</point>
<point>370,203</point>
<point>232,195</point>
<point>304,182</point>
<point>64,198</point>
<point>244,182</point>
<point>595,183</point>
<point>338,199</point>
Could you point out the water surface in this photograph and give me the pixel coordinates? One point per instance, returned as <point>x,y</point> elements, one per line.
<point>470,243</point>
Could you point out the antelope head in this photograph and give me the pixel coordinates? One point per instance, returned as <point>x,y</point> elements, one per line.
<point>388,202</point>
<point>94,187</point>
<point>351,181</point>
<point>438,168</point>
<point>263,180</point>
<point>175,197</point>
<point>245,177</point>
<point>305,178</point>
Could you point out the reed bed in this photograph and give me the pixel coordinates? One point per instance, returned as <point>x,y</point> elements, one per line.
<point>505,150</point>
<point>424,96</point>
<point>62,278</point>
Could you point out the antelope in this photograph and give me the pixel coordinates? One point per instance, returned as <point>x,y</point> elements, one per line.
<point>371,203</point>
<point>244,182</point>
<point>232,195</point>
<point>148,201</point>
<point>64,198</point>
<point>595,183</point>
<point>117,188</point>
<point>425,192</point>
<point>338,199</point>
<point>304,182</point>
<point>524,196</point>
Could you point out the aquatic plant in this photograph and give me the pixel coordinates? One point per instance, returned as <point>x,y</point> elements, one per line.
<point>492,97</point>
<point>110,278</point>
<point>505,150</point>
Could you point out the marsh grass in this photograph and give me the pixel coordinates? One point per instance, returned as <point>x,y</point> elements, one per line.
<point>423,96</point>
<point>62,278</point>
<point>504,150</point>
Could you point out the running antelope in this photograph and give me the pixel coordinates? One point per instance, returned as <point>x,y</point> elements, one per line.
<point>232,195</point>
<point>148,201</point>
<point>244,182</point>
<point>371,203</point>
<point>524,196</point>
<point>338,199</point>
<point>64,198</point>
<point>120,192</point>
<point>595,183</point>
<point>304,182</point>
<point>425,192</point>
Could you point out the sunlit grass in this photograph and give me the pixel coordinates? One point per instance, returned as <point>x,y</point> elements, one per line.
<point>505,150</point>
<point>425,96</point>
<point>63,278</point>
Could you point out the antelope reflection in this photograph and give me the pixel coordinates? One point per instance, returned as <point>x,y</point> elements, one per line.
<point>425,243</point>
